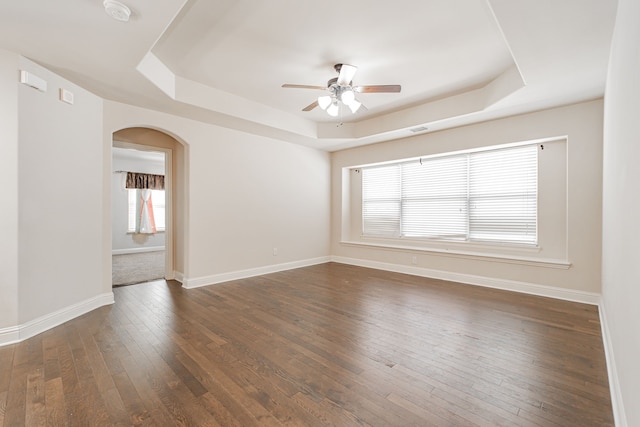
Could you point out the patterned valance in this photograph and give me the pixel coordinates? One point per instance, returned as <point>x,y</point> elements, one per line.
<point>145,181</point>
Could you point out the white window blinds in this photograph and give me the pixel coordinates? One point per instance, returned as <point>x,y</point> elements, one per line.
<point>434,198</point>
<point>487,195</point>
<point>381,201</point>
<point>503,195</point>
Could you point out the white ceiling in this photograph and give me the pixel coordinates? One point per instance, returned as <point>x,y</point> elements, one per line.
<point>224,61</point>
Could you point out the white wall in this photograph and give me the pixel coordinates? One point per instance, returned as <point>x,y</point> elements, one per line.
<point>61,212</point>
<point>247,195</point>
<point>570,200</point>
<point>621,214</point>
<point>132,161</point>
<point>9,179</point>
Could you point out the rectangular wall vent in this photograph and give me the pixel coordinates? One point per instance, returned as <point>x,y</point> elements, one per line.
<point>32,80</point>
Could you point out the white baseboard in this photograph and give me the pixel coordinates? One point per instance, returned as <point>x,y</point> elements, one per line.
<point>51,320</point>
<point>9,335</point>
<point>137,250</point>
<point>488,282</point>
<point>178,276</point>
<point>197,282</point>
<point>619,416</point>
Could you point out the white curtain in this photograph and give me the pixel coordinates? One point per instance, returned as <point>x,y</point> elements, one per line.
<point>147,224</point>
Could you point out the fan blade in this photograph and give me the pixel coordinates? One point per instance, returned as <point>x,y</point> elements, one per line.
<point>346,74</point>
<point>378,89</point>
<point>290,86</point>
<point>311,106</point>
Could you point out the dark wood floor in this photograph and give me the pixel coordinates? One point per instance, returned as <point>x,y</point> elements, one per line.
<point>324,345</point>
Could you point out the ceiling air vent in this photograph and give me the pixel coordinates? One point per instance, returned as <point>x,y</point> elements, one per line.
<point>419,129</point>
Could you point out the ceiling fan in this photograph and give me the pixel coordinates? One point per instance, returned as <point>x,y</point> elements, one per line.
<point>342,91</point>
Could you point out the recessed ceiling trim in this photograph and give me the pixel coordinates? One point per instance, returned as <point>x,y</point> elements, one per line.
<point>463,104</point>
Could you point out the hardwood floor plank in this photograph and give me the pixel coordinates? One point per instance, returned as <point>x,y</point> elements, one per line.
<point>326,345</point>
<point>436,415</point>
<point>50,344</point>
<point>3,406</point>
<point>54,402</point>
<point>6,365</point>
<point>35,400</point>
<point>134,406</point>
<point>220,409</point>
<point>16,387</point>
<point>326,413</point>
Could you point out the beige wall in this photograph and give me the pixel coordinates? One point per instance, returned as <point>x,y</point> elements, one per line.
<point>246,195</point>
<point>569,216</point>
<point>60,200</point>
<point>9,179</point>
<point>621,215</point>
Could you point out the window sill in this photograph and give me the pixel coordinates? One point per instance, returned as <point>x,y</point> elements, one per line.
<point>476,256</point>
<point>146,234</point>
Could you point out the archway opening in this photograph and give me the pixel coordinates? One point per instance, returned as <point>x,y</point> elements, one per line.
<point>148,151</point>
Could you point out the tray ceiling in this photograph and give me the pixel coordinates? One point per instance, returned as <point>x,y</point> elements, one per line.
<point>224,61</point>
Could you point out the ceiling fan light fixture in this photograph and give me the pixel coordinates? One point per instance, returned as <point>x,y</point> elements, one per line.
<point>333,109</point>
<point>324,101</point>
<point>354,106</point>
<point>342,92</point>
<point>347,96</point>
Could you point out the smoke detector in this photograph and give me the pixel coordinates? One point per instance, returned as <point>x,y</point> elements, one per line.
<point>117,10</point>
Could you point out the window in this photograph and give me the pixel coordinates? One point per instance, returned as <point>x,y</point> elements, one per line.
<point>158,204</point>
<point>480,196</point>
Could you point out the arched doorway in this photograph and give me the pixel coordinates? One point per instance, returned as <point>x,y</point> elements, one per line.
<point>150,141</point>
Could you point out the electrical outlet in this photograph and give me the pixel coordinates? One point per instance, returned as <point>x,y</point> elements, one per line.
<point>275,251</point>
<point>414,260</point>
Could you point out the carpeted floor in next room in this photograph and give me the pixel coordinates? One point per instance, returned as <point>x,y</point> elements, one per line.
<point>137,268</point>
